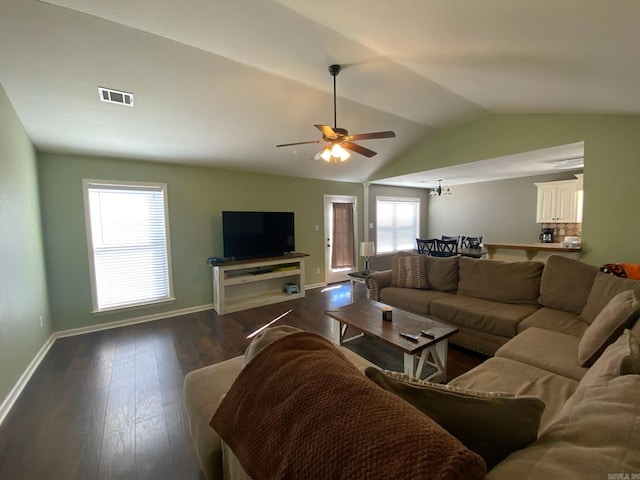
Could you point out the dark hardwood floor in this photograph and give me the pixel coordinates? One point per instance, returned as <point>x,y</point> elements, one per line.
<point>109,404</point>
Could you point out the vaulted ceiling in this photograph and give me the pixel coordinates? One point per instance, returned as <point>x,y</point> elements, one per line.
<point>220,83</point>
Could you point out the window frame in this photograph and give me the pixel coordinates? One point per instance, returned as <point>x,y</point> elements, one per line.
<point>87,184</point>
<point>396,199</point>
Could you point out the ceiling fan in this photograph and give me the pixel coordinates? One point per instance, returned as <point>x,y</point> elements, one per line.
<point>338,140</point>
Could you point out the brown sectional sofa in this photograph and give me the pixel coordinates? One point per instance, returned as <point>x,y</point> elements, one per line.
<point>588,428</point>
<point>492,301</point>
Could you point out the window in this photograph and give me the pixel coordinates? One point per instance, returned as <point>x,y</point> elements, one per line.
<point>397,223</point>
<point>128,236</point>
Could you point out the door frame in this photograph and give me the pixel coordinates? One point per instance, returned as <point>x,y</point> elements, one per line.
<point>332,276</point>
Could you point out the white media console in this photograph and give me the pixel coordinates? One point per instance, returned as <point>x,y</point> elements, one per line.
<point>243,284</point>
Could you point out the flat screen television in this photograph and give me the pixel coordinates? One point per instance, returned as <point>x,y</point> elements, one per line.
<point>257,234</point>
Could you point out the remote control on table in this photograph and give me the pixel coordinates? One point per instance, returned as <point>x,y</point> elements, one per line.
<point>428,333</point>
<point>410,336</point>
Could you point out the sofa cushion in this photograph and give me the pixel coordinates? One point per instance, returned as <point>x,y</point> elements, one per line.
<point>412,300</point>
<point>442,273</point>
<point>620,312</point>
<point>493,317</point>
<point>478,340</point>
<point>408,271</point>
<point>499,374</point>
<point>280,419</point>
<point>620,358</point>
<point>595,436</point>
<point>506,282</point>
<point>483,421</point>
<point>566,283</point>
<point>556,320</point>
<point>605,287</point>
<point>552,351</point>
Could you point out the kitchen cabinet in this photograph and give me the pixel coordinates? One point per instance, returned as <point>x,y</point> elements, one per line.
<point>559,202</point>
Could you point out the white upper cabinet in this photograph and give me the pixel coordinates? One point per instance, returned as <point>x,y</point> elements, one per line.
<point>559,202</point>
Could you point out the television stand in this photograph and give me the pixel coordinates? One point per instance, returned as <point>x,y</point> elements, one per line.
<point>261,272</point>
<point>243,284</point>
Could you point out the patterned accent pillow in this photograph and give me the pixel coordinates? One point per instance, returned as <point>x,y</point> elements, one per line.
<point>408,271</point>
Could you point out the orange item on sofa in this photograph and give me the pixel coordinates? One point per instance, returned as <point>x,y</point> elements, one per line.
<point>632,269</point>
<point>626,270</point>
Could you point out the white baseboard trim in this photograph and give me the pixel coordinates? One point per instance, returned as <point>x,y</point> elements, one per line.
<point>315,285</point>
<point>130,321</point>
<point>15,392</point>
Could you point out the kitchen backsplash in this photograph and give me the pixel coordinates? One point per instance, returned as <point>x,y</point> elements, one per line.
<point>562,230</point>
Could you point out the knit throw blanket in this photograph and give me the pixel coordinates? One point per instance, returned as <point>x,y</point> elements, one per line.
<point>301,410</point>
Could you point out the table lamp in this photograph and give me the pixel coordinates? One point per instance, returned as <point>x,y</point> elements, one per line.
<point>367,249</point>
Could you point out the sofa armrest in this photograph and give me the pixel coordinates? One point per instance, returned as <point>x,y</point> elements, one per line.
<point>202,391</point>
<point>376,282</point>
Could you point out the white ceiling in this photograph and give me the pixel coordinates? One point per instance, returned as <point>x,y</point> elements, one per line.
<point>220,83</point>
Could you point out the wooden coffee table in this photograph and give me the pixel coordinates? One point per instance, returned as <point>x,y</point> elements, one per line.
<point>366,316</point>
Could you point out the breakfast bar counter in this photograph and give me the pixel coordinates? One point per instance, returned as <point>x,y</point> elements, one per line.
<point>528,251</point>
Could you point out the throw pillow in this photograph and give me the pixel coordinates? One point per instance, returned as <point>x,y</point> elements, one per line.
<point>265,338</point>
<point>620,358</point>
<point>408,271</point>
<point>483,421</point>
<point>608,325</point>
<point>605,287</point>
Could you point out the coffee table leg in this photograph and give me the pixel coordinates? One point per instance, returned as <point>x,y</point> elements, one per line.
<point>414,364</point>
<point>439,354</point>
<point>410,364</point>
<point>338,331</point>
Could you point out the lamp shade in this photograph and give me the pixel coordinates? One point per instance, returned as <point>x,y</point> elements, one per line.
<point>367,249</point>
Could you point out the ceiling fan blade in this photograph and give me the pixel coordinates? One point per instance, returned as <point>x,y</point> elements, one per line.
<point>299,143</point>
<point>354,147</point>
<point>369,136</point>
<point>327,131</point>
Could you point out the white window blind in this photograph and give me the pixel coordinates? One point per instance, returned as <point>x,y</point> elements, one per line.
<point>128,244</point>
<point>397,223</point>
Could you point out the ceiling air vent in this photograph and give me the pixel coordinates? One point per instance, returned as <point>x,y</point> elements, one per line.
<point>115,96</point>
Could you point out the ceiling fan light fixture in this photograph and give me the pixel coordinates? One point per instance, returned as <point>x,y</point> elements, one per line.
<point>334,153</point>
<point>326,154</point>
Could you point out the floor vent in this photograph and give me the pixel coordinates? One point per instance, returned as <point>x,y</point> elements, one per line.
<point>115,96</point>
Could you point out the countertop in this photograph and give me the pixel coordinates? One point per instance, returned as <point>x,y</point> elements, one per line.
<point>534,246</point>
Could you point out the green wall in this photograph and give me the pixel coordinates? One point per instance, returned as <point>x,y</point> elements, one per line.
<point>610,232</point>
<point>23,291</point>
<point>196,196</point>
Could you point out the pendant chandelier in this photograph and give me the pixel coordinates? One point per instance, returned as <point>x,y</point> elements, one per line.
<point>440,190</point>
